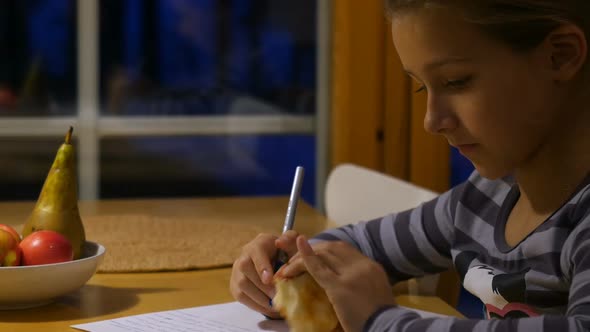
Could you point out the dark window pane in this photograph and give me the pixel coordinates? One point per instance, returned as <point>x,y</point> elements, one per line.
<point>203,56</point>
<point>24,165</point>
<point>206,166</point>
<point>38,58</point>
<point>206,57</point>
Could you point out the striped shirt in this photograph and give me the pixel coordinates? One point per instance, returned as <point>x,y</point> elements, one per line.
<point>540,284</point>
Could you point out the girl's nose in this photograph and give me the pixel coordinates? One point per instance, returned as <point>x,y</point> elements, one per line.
<point>439,117</point>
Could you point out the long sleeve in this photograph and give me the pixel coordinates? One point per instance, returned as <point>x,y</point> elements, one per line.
<point>542,284</point>
<point>398,319</point>
<point>577,318</point>
<point>407,244</point>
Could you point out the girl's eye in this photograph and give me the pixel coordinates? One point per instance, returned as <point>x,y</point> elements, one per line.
<point>420,89</point>
<point>458,84</point>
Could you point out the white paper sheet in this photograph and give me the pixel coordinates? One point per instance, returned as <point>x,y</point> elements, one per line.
<point>226,317</point>
<point>230,317</point>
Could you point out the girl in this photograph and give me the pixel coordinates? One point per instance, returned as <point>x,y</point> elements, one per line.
<point>507,84</point>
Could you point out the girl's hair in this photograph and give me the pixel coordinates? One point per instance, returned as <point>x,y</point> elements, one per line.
<point>521,24</point>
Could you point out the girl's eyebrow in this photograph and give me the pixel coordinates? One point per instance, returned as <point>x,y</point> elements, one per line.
<point>441,62</point>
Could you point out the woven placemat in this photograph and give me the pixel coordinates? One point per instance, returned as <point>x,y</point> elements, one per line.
<point>143,243</point>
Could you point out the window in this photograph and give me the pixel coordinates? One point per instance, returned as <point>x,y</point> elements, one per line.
<point>167,97</point>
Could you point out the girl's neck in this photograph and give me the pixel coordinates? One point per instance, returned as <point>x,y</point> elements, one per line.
<point>558,167</point>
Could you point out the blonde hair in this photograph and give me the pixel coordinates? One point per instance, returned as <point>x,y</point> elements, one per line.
<point>521,24</point>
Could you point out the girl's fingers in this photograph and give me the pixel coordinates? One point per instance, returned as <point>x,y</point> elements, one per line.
<point>322,274</point>
<point>338,255</point>
<point>304,247</point>
<point>331,254</point>
<point>293,268</point>
<point>257,296</point>
<point>286,242</point>
<point>266,310</point>
<point>251,274</point>
<point>261,257</point>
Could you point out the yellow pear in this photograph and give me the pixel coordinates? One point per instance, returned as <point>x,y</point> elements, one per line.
<point>57,206</point>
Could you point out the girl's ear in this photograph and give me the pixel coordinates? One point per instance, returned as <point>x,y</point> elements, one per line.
<point>568,48</point>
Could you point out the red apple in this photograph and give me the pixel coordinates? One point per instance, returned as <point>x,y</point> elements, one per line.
<point>11,231</point>
<point>46,247</point>
<point>10,253</point>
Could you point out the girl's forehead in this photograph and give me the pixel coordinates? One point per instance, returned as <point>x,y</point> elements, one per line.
<point>434,24</point>
<point>434,34</point>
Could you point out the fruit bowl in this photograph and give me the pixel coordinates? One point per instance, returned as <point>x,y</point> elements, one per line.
<point>35,285</point>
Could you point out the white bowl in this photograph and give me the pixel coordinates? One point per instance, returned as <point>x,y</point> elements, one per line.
<point>35,285</point>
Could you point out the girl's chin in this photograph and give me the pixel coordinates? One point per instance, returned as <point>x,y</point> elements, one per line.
<point>491,173</point>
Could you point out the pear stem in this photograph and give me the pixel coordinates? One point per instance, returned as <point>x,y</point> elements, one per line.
<point>69,135</point>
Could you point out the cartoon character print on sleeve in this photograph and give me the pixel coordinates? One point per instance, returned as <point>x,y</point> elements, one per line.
<point>502,294</point>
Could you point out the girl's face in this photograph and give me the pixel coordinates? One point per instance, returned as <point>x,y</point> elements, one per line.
<point>498,107</point>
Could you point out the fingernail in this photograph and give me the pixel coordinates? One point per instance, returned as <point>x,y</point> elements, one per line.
<point>265,276</point>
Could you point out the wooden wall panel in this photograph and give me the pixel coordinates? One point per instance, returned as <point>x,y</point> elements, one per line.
<point>357,83</point>
<point>397,116</point>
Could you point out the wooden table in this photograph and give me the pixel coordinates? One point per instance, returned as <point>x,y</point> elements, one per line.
<point>108,296</point>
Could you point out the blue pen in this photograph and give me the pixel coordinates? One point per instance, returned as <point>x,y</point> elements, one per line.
<point>282,256</point>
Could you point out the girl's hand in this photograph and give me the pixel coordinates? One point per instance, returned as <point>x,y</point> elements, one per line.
<point>252,272</point>
<point>356,285</point>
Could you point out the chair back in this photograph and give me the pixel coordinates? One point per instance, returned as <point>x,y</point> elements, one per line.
<point>354,193</point>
